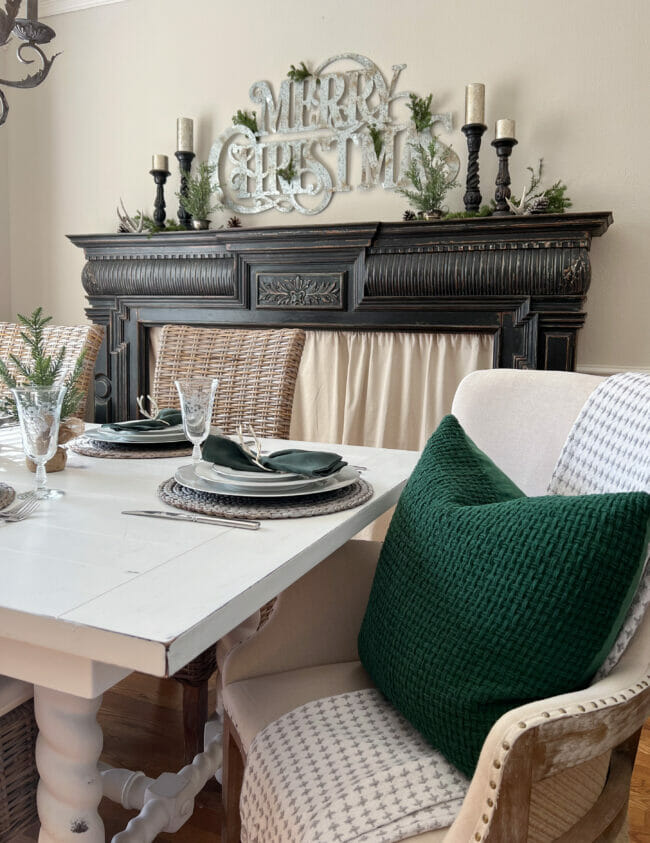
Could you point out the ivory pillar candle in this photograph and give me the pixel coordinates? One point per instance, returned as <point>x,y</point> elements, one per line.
<point>475,103</point>
<point>504,129</point>
<point>159,162</point>
<point>185,134</point>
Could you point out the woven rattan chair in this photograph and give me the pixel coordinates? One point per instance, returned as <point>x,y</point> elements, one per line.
<point>257,371</point>
<point>18,775</point>
<point>74,338</point>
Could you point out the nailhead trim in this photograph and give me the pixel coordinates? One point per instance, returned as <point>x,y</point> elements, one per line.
<point>506,745</point>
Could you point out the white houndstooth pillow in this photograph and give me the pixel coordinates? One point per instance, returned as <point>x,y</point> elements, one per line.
<point>608,450</point>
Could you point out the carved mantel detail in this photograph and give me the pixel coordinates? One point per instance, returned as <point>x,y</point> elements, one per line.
<point>521,279</point>
<point>318,290</point>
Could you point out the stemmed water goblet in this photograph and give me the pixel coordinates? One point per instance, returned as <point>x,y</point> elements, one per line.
<point>39,414</point>
<point>197,399</point>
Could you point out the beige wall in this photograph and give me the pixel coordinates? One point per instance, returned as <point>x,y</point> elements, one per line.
<point>573,73</point>
<point>5,258</point>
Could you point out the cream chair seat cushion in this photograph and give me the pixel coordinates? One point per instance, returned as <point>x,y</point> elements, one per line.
<point>13,693</point>
<point>286,691</point>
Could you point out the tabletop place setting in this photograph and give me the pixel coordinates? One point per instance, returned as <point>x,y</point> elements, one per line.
<point>230,481</point>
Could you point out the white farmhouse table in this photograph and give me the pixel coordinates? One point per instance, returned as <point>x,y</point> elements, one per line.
<point>89,595</point>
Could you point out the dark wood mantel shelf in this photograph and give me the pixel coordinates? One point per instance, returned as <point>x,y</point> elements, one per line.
<point>522,279</point>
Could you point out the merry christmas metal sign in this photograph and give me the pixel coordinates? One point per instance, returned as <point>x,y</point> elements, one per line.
<point>300,156</point>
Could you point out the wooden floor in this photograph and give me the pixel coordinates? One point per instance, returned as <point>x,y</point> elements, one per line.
<point>141,722</point>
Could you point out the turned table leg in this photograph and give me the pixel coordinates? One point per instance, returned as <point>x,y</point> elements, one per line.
<point>67,751</point>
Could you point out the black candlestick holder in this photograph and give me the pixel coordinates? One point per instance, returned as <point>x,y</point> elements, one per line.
<point>160,177</point>
<point>503,147</point>
<point>185,163</point>
<point>473,132</point>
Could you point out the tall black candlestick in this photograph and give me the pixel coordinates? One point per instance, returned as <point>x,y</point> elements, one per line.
<point>160,177</point>
<point>473,132</point>
<point>185,162</point>
<point>503,147</point>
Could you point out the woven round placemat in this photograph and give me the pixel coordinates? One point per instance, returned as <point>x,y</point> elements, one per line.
<point>119,451</point>
<point>231,506</point>
<point>7,495</point>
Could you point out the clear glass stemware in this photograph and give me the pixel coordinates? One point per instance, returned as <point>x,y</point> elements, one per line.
<point>39,413</point>
<point>197,400</point>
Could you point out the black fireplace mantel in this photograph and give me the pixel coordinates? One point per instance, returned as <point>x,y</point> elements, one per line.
<point>522,279</point>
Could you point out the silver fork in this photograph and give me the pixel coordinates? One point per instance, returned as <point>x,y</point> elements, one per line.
<point>20,511</point>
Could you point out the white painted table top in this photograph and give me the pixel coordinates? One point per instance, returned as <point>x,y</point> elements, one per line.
<point>84,581</point>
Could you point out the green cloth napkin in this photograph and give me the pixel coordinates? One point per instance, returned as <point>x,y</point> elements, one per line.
<point>165,418</point>
<point>222,451</point>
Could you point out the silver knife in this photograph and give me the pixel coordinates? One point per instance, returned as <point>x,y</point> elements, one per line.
<point>198,519</point>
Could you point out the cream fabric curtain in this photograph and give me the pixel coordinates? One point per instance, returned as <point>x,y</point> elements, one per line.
<point>384,389</point>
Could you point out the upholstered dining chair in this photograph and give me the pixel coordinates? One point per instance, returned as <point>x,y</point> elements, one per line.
<point>75,338</point>
<point>18,776</point>
<point>556,769</point>
<point>257,371</point>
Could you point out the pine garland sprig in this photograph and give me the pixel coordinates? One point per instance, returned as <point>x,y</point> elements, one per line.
<point>288,173</point>
<point>420,109</point>
<point>152,227</point>
<point>558,202</point>
<point>552,200</point>
<point>377,137</point>
<point>243,118</point>
<point>299,74</point>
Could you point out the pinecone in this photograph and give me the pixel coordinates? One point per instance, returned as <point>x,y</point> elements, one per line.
<point>539,205</point>
<point>407,216</point>
<point>234,222</point>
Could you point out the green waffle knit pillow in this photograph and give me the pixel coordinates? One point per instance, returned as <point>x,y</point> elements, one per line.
<point>485,599</point>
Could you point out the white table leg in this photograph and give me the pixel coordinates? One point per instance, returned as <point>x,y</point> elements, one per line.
<point>67,751</point>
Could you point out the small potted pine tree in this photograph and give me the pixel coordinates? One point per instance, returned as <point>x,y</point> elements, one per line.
<point>196,198</point>
<point>44,370</point>
<point>431,178</point>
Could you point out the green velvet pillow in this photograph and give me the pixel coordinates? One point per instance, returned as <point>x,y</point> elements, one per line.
<point>485,599</point>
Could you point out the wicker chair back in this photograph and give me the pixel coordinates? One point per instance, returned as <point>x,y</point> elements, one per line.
<point>257,371</point>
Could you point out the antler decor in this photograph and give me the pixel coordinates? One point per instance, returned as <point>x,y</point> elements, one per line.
<point>32,33</point>
<point>153,406</point>
<point>256,454</point>
<point>127,224</point>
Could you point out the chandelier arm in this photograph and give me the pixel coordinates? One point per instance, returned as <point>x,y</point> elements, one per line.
<point>4,107</point>
<point>32,79</point>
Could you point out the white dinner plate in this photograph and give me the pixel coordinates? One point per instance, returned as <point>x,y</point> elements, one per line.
<point>229,475</point>
<point>276,480</point>
<point>187,476</point>
<point>149,437</point>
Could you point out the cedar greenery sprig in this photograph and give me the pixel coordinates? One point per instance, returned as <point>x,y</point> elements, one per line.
<point>44,370</point>
<point>430,176</point>
<point>377,139</point>
<point>420,109</point>
<point>197,198</point>
<point>243,118</point>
